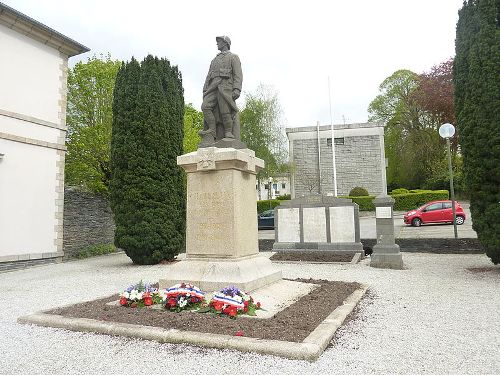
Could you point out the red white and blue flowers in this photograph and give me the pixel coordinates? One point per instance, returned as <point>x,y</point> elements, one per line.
<point>140,295</point>
<point>232,301</point>
<point>229,301</point>
<point>184,296</point>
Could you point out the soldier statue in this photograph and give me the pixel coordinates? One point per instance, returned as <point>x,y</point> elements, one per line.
<point>222,88</point>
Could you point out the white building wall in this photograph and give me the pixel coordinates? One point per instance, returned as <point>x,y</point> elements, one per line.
<point>32,134</point>
<point>27,199</point>
<point>29,76</point>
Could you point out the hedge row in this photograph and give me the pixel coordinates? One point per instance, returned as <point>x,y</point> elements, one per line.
<point>267,204</point>
<point>403,202</point>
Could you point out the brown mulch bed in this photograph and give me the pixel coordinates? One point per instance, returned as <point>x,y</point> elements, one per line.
<point>294,323</point>
<point>312,256</point>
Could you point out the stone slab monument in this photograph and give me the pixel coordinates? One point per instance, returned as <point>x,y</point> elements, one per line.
<point>386,252</point>
<point>221,228</point>
<point>317,222</point>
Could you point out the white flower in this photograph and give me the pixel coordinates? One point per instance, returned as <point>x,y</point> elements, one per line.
<point>125,294</point>
<point>182,302</point>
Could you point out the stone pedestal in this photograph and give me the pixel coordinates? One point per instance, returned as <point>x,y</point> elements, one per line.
<point>221,229</point>
<point>386,252</point>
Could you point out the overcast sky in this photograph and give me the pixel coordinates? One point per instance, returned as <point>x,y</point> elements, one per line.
<point>292,46</point>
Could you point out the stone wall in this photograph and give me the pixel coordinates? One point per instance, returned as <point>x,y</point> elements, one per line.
<point>359,157</point>
<point>88,220</point>
<point>358,163</point>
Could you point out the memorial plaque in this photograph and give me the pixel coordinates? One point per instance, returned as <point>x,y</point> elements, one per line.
<point>289,225</point>
<point>314,224</point>
<point>383,212</point>
<point>342,227</point>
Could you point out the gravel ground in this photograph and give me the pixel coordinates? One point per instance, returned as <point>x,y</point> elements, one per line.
<point>436,317</point>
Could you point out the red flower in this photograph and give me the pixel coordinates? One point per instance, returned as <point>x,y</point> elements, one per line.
<point>258,305</point>
<point>123,301</point>
<point>218,306</point>
<point>245,309</point>
<point>194,299</point>
<point>232,311</point>
<point>226,310</point>
<point>148,301</point>
<point>239,333</point>
<point>172,302</point>
<point>245,303</point>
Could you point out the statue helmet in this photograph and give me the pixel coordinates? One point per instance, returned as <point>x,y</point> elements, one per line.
<point>225,39</point>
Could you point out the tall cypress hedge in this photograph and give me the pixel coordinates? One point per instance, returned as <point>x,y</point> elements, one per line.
<point>146,190</point>
<point>477,105</point>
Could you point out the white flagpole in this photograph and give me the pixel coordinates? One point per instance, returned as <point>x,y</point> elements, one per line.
<point>333,142</point>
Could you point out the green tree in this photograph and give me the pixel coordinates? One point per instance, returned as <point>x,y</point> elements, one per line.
<point>147,190</point>
<point>193,123</point>
<point>262,130</point>
<point>412,143</point>
<point>477,98</point>
<point>89,119</point>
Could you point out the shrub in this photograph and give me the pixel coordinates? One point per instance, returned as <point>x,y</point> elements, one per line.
<point>267,205</point>
<point>364,203</point>
<point>95,250</point>
<point>358,192</point>
<point>400,191</point>
<point>284,197</point>
<point>147,187</point>
<point>406,202</point>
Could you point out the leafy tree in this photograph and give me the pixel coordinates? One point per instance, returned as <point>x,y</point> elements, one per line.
<point>147,190</point>
<point>477,98</point>
<point>193,123</point>
<point>89,119</point>
<point>262,130</point>
<point>413,146</point>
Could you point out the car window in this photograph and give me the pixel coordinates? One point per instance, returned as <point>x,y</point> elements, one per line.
<point>446,204</point>
<point>434,207</point>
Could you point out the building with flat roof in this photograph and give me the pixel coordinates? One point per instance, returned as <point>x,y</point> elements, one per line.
<point>359,159</point>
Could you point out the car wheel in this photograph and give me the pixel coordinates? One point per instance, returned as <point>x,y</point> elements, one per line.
<point>416,222</point>
<point>459,220</point>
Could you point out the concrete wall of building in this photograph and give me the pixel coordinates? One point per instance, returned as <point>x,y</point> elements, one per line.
<point>32,134</point>
<point>359,159</point>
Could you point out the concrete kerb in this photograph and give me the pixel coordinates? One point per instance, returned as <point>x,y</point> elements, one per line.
<point>310,349</point>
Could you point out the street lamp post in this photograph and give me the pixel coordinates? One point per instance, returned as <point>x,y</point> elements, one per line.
<point>447,131</point>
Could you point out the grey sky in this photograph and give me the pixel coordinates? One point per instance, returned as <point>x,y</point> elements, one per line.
<point>293,46</point>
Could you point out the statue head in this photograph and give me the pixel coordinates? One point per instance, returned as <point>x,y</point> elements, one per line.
<point>224,39</point>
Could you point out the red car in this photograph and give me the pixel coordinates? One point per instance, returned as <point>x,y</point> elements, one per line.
<point>435,212</point>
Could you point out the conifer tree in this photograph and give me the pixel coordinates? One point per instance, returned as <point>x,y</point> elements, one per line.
<point>477,98</point>
<point>147,190</point>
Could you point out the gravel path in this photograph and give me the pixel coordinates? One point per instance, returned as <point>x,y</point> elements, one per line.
<point>433,318</point>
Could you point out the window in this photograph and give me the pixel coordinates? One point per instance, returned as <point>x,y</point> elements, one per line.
<point>275,186</point>
<point>447,205</point>
<point>338,141</point>
<point>283,185</point>
<point>434,207</point>
<point>266,186</point>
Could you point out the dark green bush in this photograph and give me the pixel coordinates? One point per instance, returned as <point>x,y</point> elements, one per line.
<point>358,192</point>
<point>406,202</point>
<point>95,250</point>
<point>284,197</point>
<point>364,203</point>
<point>147,191</point>
<point>267,205</point>
<point>400,191</point>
